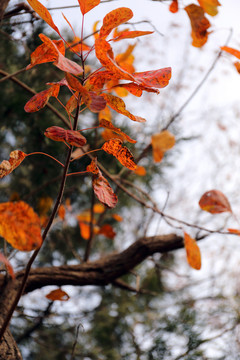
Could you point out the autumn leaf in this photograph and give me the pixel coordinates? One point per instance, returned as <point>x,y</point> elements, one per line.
<point>215,202</point>
<point>193,252</point>
<point>43,13</point>
<point>55,133</point>
<point>173,7</point>
<point>107,230</point>
<point>58,294</point>
<point>9,267</point>
<point>234,231</point>
<point>154,78</point>
<point>40,100</point>
<point>92,167</point>
<point>117,217</point>
<point>74,138</point>
<point>15,159</point>
<point>162,142</point>
<point>113,19</point>
<point>131,34</point>
<point>87,5</point>
<point>20,226</point>
<point>84,230</point>
<point>231,51</point>
<point>108,125</point>
<point>199,24</point>
<point>103,191</point>
<point>44,205</point>
<point>98,208</point>
<point>77,45</point>
<point>118,105</point>
<point>140,170</point>
<point>61,212</point>
<point>237,66</point>
<point>210,6</point>
<point>124,156</point>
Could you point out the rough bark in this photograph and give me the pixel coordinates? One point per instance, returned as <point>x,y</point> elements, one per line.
<point>100,272</point>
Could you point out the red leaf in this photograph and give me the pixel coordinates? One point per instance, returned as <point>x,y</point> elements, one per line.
<point>113,19</point>
<point>107,230</point>
<point>87,5</point>
<point>9,267</point>
<point>215,202</point>
<point>43,13</point>
<point>55,133</point>
<point>193,252</point>
<point>58,294</point>
<point>155,78</point>
<point>38,101</point>
<point>74,138</point>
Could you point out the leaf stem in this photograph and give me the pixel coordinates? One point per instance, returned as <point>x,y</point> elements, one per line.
<point>42,153</point>
<point>91,151</point>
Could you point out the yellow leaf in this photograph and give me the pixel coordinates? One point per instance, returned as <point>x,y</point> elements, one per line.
<point>161,143</point>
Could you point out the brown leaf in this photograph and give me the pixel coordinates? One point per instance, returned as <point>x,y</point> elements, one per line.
<point>15,159</point>
<point>215,202</point>
<point>103,191</point>
<point>20,226</point>
<point>199,24</point>
<point>56,133</point>
<point>58,294</point>
<point>74,138</point>
<point>193,252</point>
<point>113,19</point>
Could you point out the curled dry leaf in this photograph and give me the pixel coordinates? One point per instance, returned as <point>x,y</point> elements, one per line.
<point>161,143</point>
<point>210,6</point>
<point>72,137</point>
<point>15,159</point>
<point>215,202</point>
<point>113,19</point>
<point>193,252</point>
<point>231,51</point>
<point>20,226</point>
<point>55,133</point>
<point>199,23</point>
<point>124,156</point>
<point>58,294</point>
<point>9,267</point>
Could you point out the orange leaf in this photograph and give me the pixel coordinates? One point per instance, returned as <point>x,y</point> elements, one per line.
<point>87,5</point>
<point>113,19</point>
<point>43,53</point>
<point>61,212</point>
<point>58,294</point>
<point>155,78</point>
<point>43,13</point>
<point>118,105</point>
<point>117,217</point>
<point>105,55</point>
<point>107,230</point>
<point>15,159</point>
<point>173,7</point>
<point>210,6</point>
<point>140,170</point>
<point>108,125</point>
<point>103,191</point>
<point>98,208</point>
<point>20,226</point>
<point>131,34</point>
<point>124,156</point>
<point>84,230</point>
<point>77,46</point>
<point>9,267</point>
<point>199,24</point>
<point>237,66</point>
<point>231,51</point>
<point>105,114</point>
<point>161,143</point>
<point>40,100</point>
<point>93,168</point>
<point>234,231</point>
<point>215,202</point>
<point>109,134</point>
<point>193,252</point>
